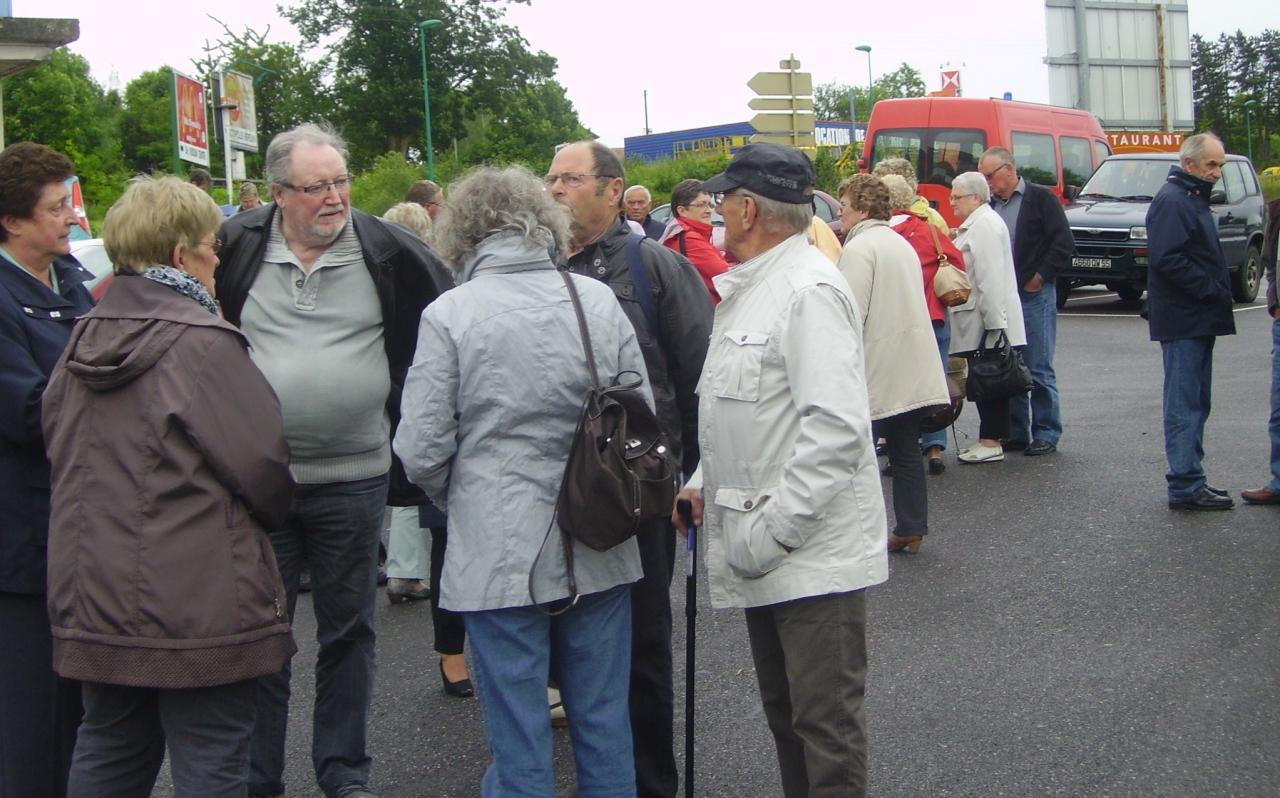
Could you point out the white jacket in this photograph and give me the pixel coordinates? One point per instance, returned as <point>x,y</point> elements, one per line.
<point>903,369</point>
<point>783,420</point>
<point>983,239</point>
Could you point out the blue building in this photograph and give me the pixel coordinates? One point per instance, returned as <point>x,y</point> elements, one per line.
<point>701,142</point>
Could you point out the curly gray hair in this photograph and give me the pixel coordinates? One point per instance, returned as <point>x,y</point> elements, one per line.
<point>411,215</point>
<point>490,200</point>
<point>901,195</point>
<point>898,166</point>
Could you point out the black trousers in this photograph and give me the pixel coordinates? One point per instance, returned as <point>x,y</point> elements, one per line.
<point>450,633</point>
<point>993,419</point>
<point>910,493</point>
<point>652,698</point>
<point>39,710</point>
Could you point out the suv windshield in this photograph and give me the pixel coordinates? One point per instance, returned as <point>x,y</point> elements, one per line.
<point>1131,180</point>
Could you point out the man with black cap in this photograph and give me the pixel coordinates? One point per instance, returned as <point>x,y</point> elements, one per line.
<point>794,518</point>
<point>670,308</point>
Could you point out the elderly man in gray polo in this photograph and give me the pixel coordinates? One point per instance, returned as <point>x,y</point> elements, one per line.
<point>794,517</point>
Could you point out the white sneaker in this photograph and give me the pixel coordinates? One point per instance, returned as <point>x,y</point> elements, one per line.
<point>980,453</point>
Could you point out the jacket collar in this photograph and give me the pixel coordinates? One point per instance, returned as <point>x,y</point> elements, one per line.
<point>608,244</point>
<point>28,290</point>
<point>865,225</point>
<point>694,225</point>
<point>758,269</point>
<point>1192,184</point>
<point>509,252</point>
<point>376,241</point>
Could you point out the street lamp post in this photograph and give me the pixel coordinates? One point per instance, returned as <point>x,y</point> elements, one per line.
<point>423,27</point>
<point>1248,124</point>
<point>866,48</point>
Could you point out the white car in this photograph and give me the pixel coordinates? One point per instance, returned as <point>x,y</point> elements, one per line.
<point>93,256</point>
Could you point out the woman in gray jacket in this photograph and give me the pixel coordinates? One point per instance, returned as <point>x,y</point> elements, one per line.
<point>489,411</point>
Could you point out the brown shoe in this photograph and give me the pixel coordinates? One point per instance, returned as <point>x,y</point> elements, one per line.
<point>908,543</point>
<point>1260,496</point>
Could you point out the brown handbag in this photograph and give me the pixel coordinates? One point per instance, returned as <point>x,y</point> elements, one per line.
<point>950,284</point>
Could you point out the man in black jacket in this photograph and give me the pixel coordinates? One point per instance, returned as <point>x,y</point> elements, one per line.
<point>1042,245</point>
<point>673,326</point>
<point>330,299</point>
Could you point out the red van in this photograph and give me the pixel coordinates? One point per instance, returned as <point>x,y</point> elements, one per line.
<point>944,136</point>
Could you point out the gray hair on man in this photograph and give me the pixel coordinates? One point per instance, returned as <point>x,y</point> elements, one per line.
<point>1001,154</point>
<point>278,160</point>
<point>900,167</point>
<point>1193,147</point>
<point>972,183</point>
<point>491,200</point>
<point>780,218</point>
<point>901,194</point>
<point>637,187</point>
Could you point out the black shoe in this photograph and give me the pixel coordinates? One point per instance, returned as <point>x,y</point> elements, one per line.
<point>1218,491</point>
<point>461,689</point>
<point>936,466</point>
<point>1011,445</point>
<point>1038,448</point>
<point>1204,500</point>
<point>355,791</point>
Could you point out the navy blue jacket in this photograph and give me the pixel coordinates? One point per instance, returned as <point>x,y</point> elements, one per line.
<point>1043,243</point>
<point>653,228</point>
<point>1188,289</point>
<point>35,325</point>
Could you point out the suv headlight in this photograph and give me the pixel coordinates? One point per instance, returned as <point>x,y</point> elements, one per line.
<point>1138,232</point>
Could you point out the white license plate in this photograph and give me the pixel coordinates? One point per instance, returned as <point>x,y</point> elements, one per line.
<point>1091,263</point>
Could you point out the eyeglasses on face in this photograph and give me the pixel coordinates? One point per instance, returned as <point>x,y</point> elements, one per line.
<point>700,204</point>
<point>719,199</point>
<point>339,184</point>
<point>957,197</point>
<point>214,245</point>
<point>570,179</point>
<point>994,172</point>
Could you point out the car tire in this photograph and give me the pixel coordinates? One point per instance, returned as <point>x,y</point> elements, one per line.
<point>1064,291</point>
<point>1129,293</point>
<point>1245,282</point>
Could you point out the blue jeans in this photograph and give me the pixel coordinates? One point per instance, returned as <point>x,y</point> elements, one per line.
<point>512,650</point>
<point>942,335</point>
<point>333,528</point>
<point>1039,416</point>
<point>1274,425</point>
<point>1188,376</point>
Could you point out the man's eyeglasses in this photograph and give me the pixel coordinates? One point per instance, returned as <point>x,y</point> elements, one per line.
<point>994,172</point>
<point>570,179</point>
<point>339,184</point>
<point>719,199</point>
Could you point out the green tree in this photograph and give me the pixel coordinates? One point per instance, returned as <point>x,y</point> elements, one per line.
<point>831,100</point>
<point>60,105</point>
<point>146,123</point>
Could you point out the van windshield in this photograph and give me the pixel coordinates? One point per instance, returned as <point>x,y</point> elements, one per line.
<point>938,154</point>
<point>1126,180</point>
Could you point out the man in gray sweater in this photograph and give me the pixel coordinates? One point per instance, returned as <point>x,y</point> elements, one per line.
<point>330,299</point>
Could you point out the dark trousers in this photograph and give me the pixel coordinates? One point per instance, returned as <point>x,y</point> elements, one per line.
<point>910,494</point>
<point>450,630</point>
<point>811,663</point>
<point>126,729</point>
<point>335,529</point>
<point>993,419</point>
<point>39,710</point>
<point>652,698</point>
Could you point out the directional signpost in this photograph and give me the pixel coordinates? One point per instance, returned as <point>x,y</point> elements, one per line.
<point>786,106</point>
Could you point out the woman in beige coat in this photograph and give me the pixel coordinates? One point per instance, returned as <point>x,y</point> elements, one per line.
<point>904,376</point>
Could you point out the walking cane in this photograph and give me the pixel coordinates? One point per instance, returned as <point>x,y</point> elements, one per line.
<point>685,508</point>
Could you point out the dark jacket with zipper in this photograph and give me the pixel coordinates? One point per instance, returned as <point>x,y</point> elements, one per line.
<point>1042,243</point>
<point>674,352</point>
<point>1188,287</point>
<point>35,324</point>
<point>407,274</point>
<point>169,464</point>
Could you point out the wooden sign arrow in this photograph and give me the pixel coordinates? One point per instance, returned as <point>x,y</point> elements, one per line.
<point>781,104</point>
<point>802,141</point>
<point>791,84</point>
<point>783,123</point>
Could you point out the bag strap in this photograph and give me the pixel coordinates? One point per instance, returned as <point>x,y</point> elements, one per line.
<point>683,251</point>
<point>582,328</point>
<point>943,260</point>
<point>640,281</point>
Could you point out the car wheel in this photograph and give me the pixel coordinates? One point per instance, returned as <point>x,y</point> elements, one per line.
<point>1064,291</point>
<point>1129,293</point>
<point>1245,282</point>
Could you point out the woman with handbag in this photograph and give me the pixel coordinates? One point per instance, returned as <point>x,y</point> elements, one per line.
<point>489,413</point>
<point>993,306</point>
<point>904,377</point>
<point>935,251</point>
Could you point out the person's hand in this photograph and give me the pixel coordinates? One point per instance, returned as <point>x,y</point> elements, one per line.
<point>694,497</point>
<point>1275,314</point>
<point>1034,284</point>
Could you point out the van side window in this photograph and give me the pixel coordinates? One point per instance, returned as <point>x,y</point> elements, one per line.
<point>898,144</point>
<point>1076,166</point>
<point>1233,182</point>
<point>954,152</point>
<point>1100,153</point>
<point>1035,156</point>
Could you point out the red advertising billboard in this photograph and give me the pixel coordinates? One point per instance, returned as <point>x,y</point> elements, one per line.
<point>191,118</point>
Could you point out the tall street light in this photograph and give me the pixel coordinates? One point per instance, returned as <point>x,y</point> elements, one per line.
<point>1248,124</point>
<point>866,48</point>
<point>423,27</point>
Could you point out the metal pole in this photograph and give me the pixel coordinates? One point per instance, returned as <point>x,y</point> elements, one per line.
<point>647,131</point>
<point>853,120</point>
<point>1248,124</point>
<point>225,107</point>
<point>685,508</point>
<point>423,27</point>
<point>871,102</point>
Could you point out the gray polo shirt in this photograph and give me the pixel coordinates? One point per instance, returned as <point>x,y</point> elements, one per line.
<point>1008,209</point>
<point>318,338</point>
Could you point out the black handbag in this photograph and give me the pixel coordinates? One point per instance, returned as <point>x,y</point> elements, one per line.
<point>996,372</point>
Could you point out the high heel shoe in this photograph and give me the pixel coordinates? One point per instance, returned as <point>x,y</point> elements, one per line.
<point>458,689</point>
<point>909,543</point>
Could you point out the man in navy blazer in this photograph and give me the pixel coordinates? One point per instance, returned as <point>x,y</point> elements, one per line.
<point>1042,245</point>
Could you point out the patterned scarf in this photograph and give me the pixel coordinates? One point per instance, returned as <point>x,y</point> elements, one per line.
<point>184,284</point>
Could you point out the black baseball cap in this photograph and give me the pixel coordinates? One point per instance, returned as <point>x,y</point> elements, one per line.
<point>770,170</point>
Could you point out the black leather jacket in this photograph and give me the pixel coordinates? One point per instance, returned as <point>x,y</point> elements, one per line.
<point>673,354</point>
<point>407,274</point>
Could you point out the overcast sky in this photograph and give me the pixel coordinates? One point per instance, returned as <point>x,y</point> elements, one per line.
<point>694,59</point>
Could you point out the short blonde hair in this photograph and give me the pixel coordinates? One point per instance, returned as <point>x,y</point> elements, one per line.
<point>153,217</point>
<point>901,195</point>
<point>411,215</point>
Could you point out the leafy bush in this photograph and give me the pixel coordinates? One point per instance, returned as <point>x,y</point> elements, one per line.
<point>377,189</point>
<point>661,176</point>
